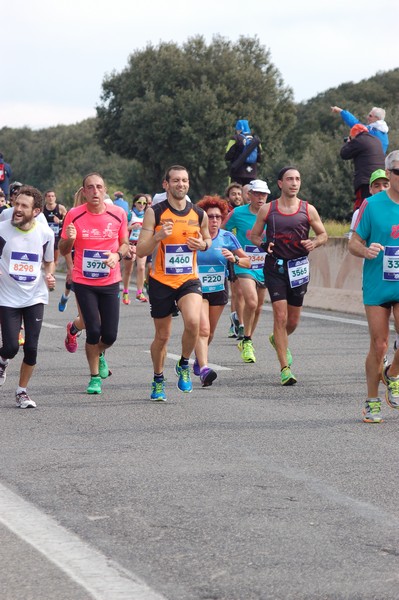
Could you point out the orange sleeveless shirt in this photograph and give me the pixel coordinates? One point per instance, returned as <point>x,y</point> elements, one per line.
<point>172,262</point>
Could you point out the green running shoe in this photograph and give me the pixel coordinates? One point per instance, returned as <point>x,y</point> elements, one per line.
<point>184,383</point>
<point>392,391</point>
<point>287,378</point>
<point>289,355</point>
<point>372,412</point>
<point>158,391</point>
<point>247,351</point>
<point>103,370</point>
<point>94,386</point>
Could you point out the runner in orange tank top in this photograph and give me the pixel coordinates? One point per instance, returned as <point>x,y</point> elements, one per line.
<point>173,232</point>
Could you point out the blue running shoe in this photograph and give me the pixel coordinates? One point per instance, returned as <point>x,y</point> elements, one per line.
<point>62,303</point>
<point>183,373</point>
<point>158,391</point>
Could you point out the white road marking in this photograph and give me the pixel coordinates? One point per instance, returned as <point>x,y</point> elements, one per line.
<point>98,575</point>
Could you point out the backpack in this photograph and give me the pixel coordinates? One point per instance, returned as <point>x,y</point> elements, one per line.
<point>2,171</point>
<point>252,157</point>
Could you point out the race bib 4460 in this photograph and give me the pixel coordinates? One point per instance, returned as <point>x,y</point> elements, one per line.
<point>178,259</point>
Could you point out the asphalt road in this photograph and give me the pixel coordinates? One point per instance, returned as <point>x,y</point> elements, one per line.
<point>241,491</point>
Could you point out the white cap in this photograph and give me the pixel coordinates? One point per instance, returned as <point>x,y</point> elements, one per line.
<point>257,185</point>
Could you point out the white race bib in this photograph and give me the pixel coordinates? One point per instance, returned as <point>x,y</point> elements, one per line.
<point>298,271</point>
<point>178,259</point>
<point>24,266</point>
<point>93,264</point>
<point>390,268</point>
<point>256,256</point>
<point>212,278</point>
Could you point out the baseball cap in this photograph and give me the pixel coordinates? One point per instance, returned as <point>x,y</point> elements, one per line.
<point>378,174</point>
<point>356,129</point>
<point>257,185</point>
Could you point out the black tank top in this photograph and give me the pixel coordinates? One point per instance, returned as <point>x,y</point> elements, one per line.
<point>287,231</point>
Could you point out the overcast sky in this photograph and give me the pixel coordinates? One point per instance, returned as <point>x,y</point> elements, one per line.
<point>56,53</point>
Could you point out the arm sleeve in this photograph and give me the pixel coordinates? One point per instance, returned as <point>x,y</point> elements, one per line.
<point>348,118</point>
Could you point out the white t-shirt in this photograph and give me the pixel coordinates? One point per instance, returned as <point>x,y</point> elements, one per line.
<point>21,254</point>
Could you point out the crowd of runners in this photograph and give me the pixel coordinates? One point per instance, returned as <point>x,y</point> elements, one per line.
<point>190,259</point>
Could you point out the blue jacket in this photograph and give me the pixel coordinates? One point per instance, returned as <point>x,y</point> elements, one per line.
<point>379,129</point>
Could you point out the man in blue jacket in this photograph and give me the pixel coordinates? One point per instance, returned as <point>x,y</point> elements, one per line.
<point>376,124</point>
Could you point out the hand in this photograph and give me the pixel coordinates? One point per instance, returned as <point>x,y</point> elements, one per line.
<point>229,255</point>
<point>70,232</point>
<point>196,243</point>
<point>336,109</point>
<point>309,245</point>
<point>112,260</point>
<point>50,281</point>
<point>373,250</point>
<point>167,228</point>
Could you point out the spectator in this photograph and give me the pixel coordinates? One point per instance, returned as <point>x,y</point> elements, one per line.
<point>5,176</point>
<point>243,152</point>
<point>120,201</point>
<point>376,124</point>
<point>368,156</point>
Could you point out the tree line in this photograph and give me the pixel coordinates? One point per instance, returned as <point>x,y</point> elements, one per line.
<point>178,105</point>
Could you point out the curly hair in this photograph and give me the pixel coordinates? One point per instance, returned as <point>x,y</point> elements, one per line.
<point>28,190</point>
<point>208,202</point>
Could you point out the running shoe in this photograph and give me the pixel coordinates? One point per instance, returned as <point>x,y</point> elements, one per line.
<point>247,351</point>
<point>24,401</point>
<point>232,332</point>
<point>94,386</point>
<point>71,341</point>
<point>183,373</point>
<point>21,339</point>
<point>240,332</point>
<point>158,391</point>
<point>3,374</point>
<point>125,298</point>
<point>392,391</point>
<point>62,303</point>
<point>196,368</point>
<point>288,355</point>
<point>207,376</point>
<point>103,369</point>
<point>287,378</point>
<point>141,298</point>
<point>372,411</point>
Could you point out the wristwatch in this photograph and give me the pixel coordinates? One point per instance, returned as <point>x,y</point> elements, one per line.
<point>120,255</point>
<point>237,260</point>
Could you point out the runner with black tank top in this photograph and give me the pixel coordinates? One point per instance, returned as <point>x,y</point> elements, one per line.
<point>55,214</point>
<point>287,221</point>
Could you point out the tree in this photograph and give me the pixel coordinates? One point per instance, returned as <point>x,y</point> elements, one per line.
<point>174,105</point>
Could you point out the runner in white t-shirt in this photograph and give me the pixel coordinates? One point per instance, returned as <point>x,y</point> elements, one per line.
<point>25,244</point>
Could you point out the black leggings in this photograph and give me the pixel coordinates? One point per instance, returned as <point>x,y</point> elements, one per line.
<point>11,320</point>
<point>100,311</point>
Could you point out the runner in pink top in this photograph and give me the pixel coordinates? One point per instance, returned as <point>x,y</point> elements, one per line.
<point>98,233</point>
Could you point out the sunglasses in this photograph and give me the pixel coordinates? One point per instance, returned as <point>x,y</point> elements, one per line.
<point>140,202</point>
<point>218,217</point>
<point>394,171</point>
